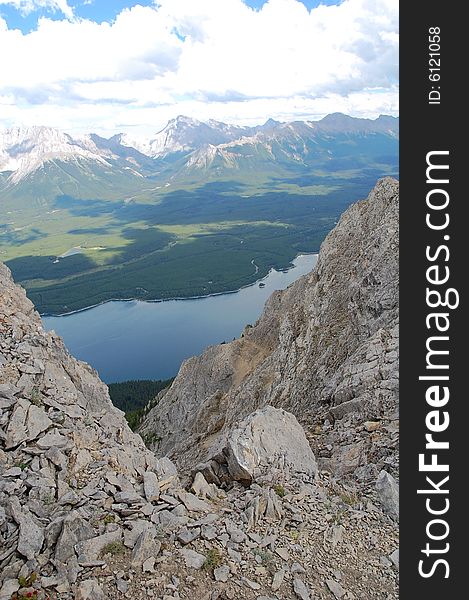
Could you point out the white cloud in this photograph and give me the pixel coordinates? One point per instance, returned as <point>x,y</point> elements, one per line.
<point>210,58</point>
<point>29,6</point>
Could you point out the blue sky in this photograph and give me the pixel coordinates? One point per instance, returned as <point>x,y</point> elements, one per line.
<point>26,18</point>
<point>113,66</point>
<point>96,10</point>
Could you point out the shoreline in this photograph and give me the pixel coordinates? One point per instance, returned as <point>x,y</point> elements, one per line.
<point>180,298</point>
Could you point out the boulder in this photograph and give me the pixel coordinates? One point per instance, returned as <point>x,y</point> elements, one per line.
<point>269,438</point>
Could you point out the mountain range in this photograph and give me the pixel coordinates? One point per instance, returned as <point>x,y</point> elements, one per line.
<point>201,145</point>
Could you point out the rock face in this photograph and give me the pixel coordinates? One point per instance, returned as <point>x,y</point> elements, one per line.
<point>325,349</point>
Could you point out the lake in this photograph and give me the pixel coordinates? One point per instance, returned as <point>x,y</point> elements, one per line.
<point>149,340</point>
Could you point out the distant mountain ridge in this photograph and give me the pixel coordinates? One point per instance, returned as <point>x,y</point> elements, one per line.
<point>24,151</point>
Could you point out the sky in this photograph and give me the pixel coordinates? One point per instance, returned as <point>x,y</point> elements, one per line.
<point>109,66</point>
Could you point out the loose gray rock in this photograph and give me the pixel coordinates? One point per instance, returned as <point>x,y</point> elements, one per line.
<point>186,536</point>
<point>193,559</point>
<point>68,533</point>
<point>92,549</point>
<point>300,589</point>
<point>208,532</point>
<point>16,431</point>
<point>384,560</point>
<point>31,534</point>
<point>388,493</point>
<point>234,555</point>
<point>89,590</point>
<point>236,534</point>
<point>31,538</point>
<point>192,503</point>
<point>52,439</point>
<point>13,472</point>
<point>9,587</point>
<point>222,573</point>
<point>151,486</point>
<point>278,580</point>
<point>146,547</point>
<point>335,588</point>
<point>149,565</point>
<point>283,553</point>
<point>170,522</point>
<point>37,422</point>
<point>394,558</point>
<point>131,535</point>
<point>130,497</point>
<point>297,568</point>
<point>122,585</point>
<point>251,584</point>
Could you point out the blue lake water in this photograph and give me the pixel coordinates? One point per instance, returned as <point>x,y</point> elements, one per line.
<point>149,340</point>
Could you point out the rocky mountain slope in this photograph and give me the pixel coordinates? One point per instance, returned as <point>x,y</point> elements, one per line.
<point>324,349</point>
<point>88,512</point>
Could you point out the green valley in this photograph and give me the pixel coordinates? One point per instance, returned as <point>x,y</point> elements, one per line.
<point>209,220</point>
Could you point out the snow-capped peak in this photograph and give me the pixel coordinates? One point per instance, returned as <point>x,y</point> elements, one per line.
<point>18,141</point>
<point>23,150</point>
<point>140,143</point>
<point>183,120</point>
<point>183,134</point>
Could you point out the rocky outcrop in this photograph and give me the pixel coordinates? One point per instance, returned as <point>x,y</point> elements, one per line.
<point>71,471</point>
<point>325,349</point>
